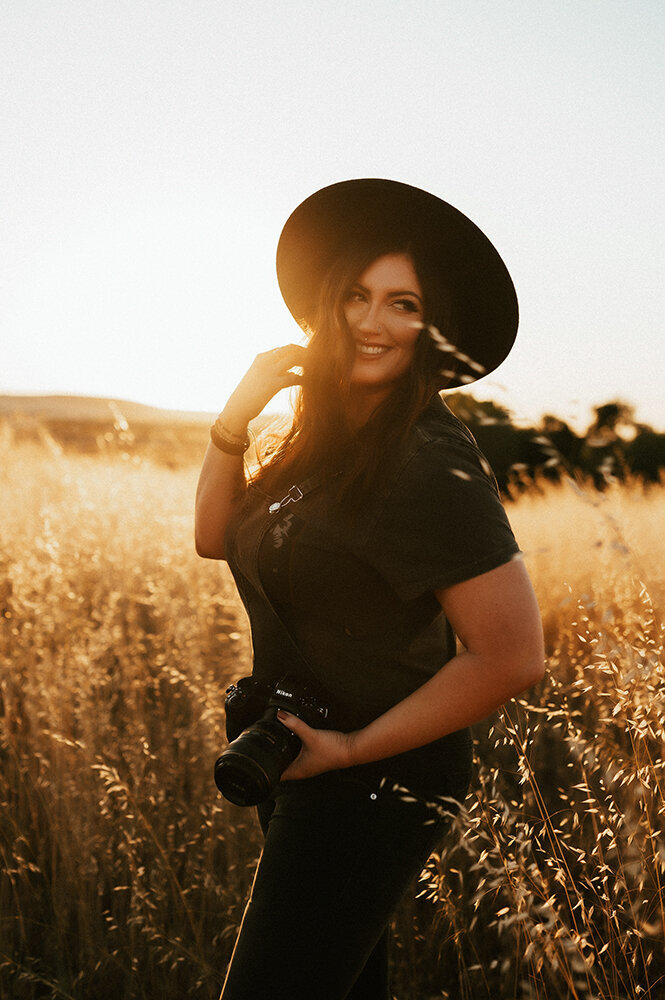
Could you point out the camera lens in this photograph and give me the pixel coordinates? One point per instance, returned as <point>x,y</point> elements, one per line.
<point>251,766</point>
<point>241,780</point>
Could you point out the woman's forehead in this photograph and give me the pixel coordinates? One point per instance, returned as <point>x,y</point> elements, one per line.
<point>392,270</point>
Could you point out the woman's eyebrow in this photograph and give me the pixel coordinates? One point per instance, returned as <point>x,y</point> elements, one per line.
<point>407,291</point>
<point>393,294</point>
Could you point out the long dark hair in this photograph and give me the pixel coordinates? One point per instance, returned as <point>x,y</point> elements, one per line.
<point>322,438</point>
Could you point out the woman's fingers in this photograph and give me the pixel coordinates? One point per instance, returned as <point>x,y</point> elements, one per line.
<point>322,749</point>
<point>269,373</point>
<point>282,359</point>
<point>292,722</point>
<point>285,357</point>
<point>276,365</point>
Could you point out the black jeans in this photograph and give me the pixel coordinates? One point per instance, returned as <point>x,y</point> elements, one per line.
<point>340,851</point>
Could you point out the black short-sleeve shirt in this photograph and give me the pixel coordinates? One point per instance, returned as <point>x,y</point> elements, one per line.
<point>357,595</point>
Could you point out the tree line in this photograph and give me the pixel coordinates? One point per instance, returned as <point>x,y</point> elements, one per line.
<point>613,448</point>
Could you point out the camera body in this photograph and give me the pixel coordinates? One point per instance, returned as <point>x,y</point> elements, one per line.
<point>260,747</point>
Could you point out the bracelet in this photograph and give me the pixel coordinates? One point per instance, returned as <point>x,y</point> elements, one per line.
<point>224,440</point>
<point>229,435</point>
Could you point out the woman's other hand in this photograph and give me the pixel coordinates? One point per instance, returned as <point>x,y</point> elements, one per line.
<point>322,749</point>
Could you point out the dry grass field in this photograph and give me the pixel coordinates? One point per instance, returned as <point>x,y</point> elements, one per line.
<point>124,874</point>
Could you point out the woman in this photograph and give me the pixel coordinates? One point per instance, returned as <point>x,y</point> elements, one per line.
<point>369,540</point>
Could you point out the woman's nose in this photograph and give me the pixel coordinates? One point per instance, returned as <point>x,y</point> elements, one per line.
<point>369,320</point>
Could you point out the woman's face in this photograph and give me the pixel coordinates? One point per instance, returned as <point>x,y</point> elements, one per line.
<point>384,313</point>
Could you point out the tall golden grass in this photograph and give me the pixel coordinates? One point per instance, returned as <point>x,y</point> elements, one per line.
<point>124,874</point>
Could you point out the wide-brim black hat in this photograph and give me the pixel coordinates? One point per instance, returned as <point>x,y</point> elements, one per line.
<point>341,215</point>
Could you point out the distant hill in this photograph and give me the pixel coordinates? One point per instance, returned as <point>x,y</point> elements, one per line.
<point>95,409</point>
<point>94,425</point>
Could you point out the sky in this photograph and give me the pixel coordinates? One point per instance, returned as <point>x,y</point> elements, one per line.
<point>153,149</point>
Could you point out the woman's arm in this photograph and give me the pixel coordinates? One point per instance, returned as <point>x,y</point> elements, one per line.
<point>497,619</point>
<point>222,480</point>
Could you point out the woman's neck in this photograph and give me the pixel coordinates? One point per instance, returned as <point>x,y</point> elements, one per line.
<point>363,403</point>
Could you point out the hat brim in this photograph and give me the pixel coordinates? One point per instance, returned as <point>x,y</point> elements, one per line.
<point>341,215</point>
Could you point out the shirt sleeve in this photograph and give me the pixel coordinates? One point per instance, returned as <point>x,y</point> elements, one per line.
<point>442,523</point>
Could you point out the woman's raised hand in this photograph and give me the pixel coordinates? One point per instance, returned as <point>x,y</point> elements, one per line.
<point>270,372</point>
<point>221,481</point>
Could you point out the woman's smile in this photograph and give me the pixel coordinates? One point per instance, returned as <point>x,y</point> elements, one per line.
<point>371,351</point>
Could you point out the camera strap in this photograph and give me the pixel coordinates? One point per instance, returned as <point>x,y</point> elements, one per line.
<point>269,508</point>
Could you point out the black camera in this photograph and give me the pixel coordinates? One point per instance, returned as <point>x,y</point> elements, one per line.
<point>260,747</point>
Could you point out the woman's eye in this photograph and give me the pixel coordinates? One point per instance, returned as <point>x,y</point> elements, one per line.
<point>406,305</point>
<point>355,296</point>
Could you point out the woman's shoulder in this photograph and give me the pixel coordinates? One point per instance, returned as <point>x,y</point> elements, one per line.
<point>438,422</point>
<point>440,445</point>
<point>441,519</point>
